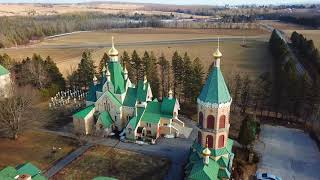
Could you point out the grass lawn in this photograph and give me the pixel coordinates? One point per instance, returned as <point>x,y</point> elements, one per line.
<point>34,147</point>
<point>102,161</point>
<point>252,60</point>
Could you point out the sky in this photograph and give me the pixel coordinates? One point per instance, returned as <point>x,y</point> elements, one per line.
<point>180,2</point>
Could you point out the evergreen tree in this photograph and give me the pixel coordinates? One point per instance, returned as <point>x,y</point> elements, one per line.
<point>136,64</point>
<point>164,74</point>
<point>126,62</point>
<point>86,69</point>
<point>177,69</point>
<point>187,77</point>
<point>248,130</point>
<point>196,79</point>
<point>104,60</point>
<point>54,74</point>
<point>153,74</point>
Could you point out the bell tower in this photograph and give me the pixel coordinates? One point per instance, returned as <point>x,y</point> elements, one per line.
<point>214,108</point>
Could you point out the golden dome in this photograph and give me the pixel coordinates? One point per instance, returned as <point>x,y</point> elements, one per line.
<point>113,51</point>
<point>217,54</point>
<point>206,152</point>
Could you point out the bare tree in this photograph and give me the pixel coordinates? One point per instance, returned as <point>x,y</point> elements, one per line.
<point>17,111</point>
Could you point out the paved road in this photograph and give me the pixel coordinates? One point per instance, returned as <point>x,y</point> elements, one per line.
<point>66,160</point>
<point>288,153</point>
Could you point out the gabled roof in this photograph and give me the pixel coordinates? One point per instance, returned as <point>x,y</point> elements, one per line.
<point>28,168</point>
<point>152,113</point>
<point>223,162</point>
<point>113,99</point>
<point>215,91</point>
<point>167,106</point>
<point>135,120</point>
<point>117,78</point>
<point>224,173</point>
<point>142,91</point>
<point>84,112</point>
<point>131,97</point>
<point>105,119</point>
<point>3,71</point>
<point>201,171</point>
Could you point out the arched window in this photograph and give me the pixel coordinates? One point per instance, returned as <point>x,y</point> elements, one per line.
<point>210,141</point>
<point>222,122</point>
<point>199,137</point>
<point>201,119</point>
<point>210,122</point>
<point>221,141</point>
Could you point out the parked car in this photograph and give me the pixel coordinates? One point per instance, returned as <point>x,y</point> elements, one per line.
<point>266,176</point>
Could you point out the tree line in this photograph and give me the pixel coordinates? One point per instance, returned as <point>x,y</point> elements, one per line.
<point>19,30</point>
<point>312,21</point>
<point>37,72</point>
<point>307,53</point>
<point>293,94</point>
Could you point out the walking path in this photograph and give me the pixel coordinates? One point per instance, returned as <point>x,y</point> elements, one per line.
<point>66,160</point>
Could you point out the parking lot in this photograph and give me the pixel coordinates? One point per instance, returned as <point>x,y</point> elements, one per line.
<point>288,153</point>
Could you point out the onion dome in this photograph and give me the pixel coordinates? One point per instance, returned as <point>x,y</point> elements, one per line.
<point>217,53</point>
<point>206,151</point>
<point>113,51</point>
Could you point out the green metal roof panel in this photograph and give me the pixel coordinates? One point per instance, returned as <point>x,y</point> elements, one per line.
<point>215,91</point>
<point>224,173</point>
<point>152,113</point>
<point>114,99</point>
<point>200,171</point>
<point>8,172</point>
<point>135,120</point>
<point>167,106</point>
<point>223,161</point>
<point>142,91</point>
<point>105,119</point>
<point>131,97</point>
<point>84,112</point>
<point>117,78</point>
<point>3,70</point>
<point>92,96</point>
<point>28,168</point>
<point>39,177</point>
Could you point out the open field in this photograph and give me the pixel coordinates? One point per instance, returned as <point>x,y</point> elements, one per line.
<point>309,34</point>
<point>121,164</point>
<point>108,8</point>
<point>67,50</point>
<point>282,25</point>
<point>35,147</point>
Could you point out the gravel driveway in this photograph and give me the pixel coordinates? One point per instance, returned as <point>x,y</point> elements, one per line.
<point>288,153</point>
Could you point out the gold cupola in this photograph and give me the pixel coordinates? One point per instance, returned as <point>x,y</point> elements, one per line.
<point>113,51</point>
<point>217,54</point>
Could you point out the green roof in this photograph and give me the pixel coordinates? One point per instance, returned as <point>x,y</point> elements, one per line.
<point>8,172</point>
<point>28,168</point>
<point>131,97</point>
<point>152,113</point>
<point>3,71</point>
<point>117,78</point>
<point>215,91</point>
<point>167,106</point>
<point>104,178</point>
<point>201,171</point>
<point>92,93</point>
<point>225,150</point>
<point>142,91</point>
<point>105,119</point>
<point>39,177</point>
<point>223,161</point>
<point>113,99</point>
<point>135,120</point>
<point>84,112</point>
<point>224,173</point>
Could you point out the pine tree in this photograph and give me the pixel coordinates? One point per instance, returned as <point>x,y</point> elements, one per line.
<point>187,76</point>
<point>177,69</point>
<point>86,69</point>
<point>104,60</point>
<point>248,131</point>
<point>197,79</point>
<point>164,74</point>
<point>126,62</point>
<point>54,74</point>
<point>137,64</point>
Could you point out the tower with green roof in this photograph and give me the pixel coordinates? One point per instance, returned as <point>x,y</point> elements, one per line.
<point>214,104</point>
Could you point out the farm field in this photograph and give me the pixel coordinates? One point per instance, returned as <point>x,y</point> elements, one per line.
<point>120,164</point>
<point>282,25</point>
<point>309,34</point>
<point>67,50</point>
<point>35,147</point>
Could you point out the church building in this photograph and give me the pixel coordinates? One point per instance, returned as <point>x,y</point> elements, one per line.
<point>211,156</point>
<point>115,103</point>
<point>5,83</point>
